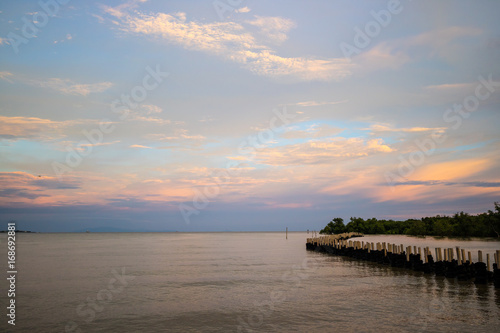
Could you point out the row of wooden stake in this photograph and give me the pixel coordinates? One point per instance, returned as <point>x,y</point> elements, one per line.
<point>446,254</point>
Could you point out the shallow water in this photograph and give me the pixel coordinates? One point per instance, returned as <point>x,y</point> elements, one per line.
<point>223,282</point>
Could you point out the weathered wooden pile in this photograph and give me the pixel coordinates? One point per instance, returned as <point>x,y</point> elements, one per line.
<point>417,259</point>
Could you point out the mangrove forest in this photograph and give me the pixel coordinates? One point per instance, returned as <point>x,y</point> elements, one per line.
<point>459,225</point>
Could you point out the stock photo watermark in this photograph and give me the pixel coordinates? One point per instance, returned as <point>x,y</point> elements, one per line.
<point>372,29</point>
<point>122,106</point>
<point>11,272</point>
<point>224,7</point>
<point>33,25</point>
<point>248,150</point>
<point>453,115</point>
<point>87,310</point>
<point>265,309</point>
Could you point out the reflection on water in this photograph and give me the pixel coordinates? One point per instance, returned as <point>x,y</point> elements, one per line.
<point>213,282</point>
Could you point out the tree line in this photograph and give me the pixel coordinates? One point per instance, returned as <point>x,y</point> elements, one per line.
<point>459,225</point>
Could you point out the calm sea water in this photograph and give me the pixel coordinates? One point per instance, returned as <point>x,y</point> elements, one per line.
<point>232,282</point>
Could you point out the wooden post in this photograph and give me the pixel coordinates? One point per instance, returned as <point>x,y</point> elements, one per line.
<point>286,232</point>
<point>488,261</point>
<point>463,256</point>
<point>498,259</point>
<point>415,249</point>
<point>470,257</point>
<point>445,255</point>
<point>436,252</point>
<point>420,253</point>
<point>408,250</point>
<point>458,255</point>
<point>480,256</point>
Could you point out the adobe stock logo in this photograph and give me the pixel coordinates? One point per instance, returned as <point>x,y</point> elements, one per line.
<point>373,28</point>
<point>38,20</point>
<point>454,116</point>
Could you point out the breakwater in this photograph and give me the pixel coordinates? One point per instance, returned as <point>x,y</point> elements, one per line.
<point>449,262</point>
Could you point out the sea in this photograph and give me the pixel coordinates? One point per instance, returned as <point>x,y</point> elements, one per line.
<point>232,282</point>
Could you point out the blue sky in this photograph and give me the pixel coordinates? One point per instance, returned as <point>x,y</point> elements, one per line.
<point>246,115</point>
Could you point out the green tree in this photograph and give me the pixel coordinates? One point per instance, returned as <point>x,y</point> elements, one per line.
<point>417,228</point>
<point>442,227</point>
<point>336,226</point>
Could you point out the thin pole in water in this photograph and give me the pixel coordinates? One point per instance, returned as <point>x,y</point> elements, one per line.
<point>286,232</point>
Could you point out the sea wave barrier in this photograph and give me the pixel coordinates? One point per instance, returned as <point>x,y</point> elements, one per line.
<point>414,258</point>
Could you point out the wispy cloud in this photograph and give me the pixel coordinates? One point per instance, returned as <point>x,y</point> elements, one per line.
<point>22,185</point>
<point>378,128</point>
<point>70,87</point>
<point>395,53</point>
<point>242,10</point>
<point>438,182</point>
<point>5,76</point>
<point>82,146</point>
<point>139,146</point>
<point>315,103</point>
<point>28,127</point>
<point>325,151</point>
<point>315,131</point>
<point>67,38</point>
<point>451,86</point>
<point>15,128</point>
<point>274,28</point>
<point>65,86</point>
<point>233,41</point>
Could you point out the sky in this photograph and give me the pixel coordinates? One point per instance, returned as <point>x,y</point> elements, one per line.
<point>240,115</point>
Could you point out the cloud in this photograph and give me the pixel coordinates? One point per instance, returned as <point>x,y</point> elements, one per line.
<point>242,10</point>
<point>65,86</point>
<point>68,37</point>
<point>28,127</point>
<point>5,76</point>
<point>452,170</point>
<point>20,193</point>
<point>82,146</point>
<point>438,182</point>
<point>395,53</point>
<point>70,87</point>
<point>33,128</point>
<point>380,128</point>
<point>315,131</point>
<point>273,28</point>
<point>452,86</point>
<point>120,10</point>
<point>139,146</point>
<point>326,151</point>
<point>382,56</point>
<point>150,109</point>
<point>143,113</point>
<point>22,185</point>
<point>232,41</point>
<point>315,103</point>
